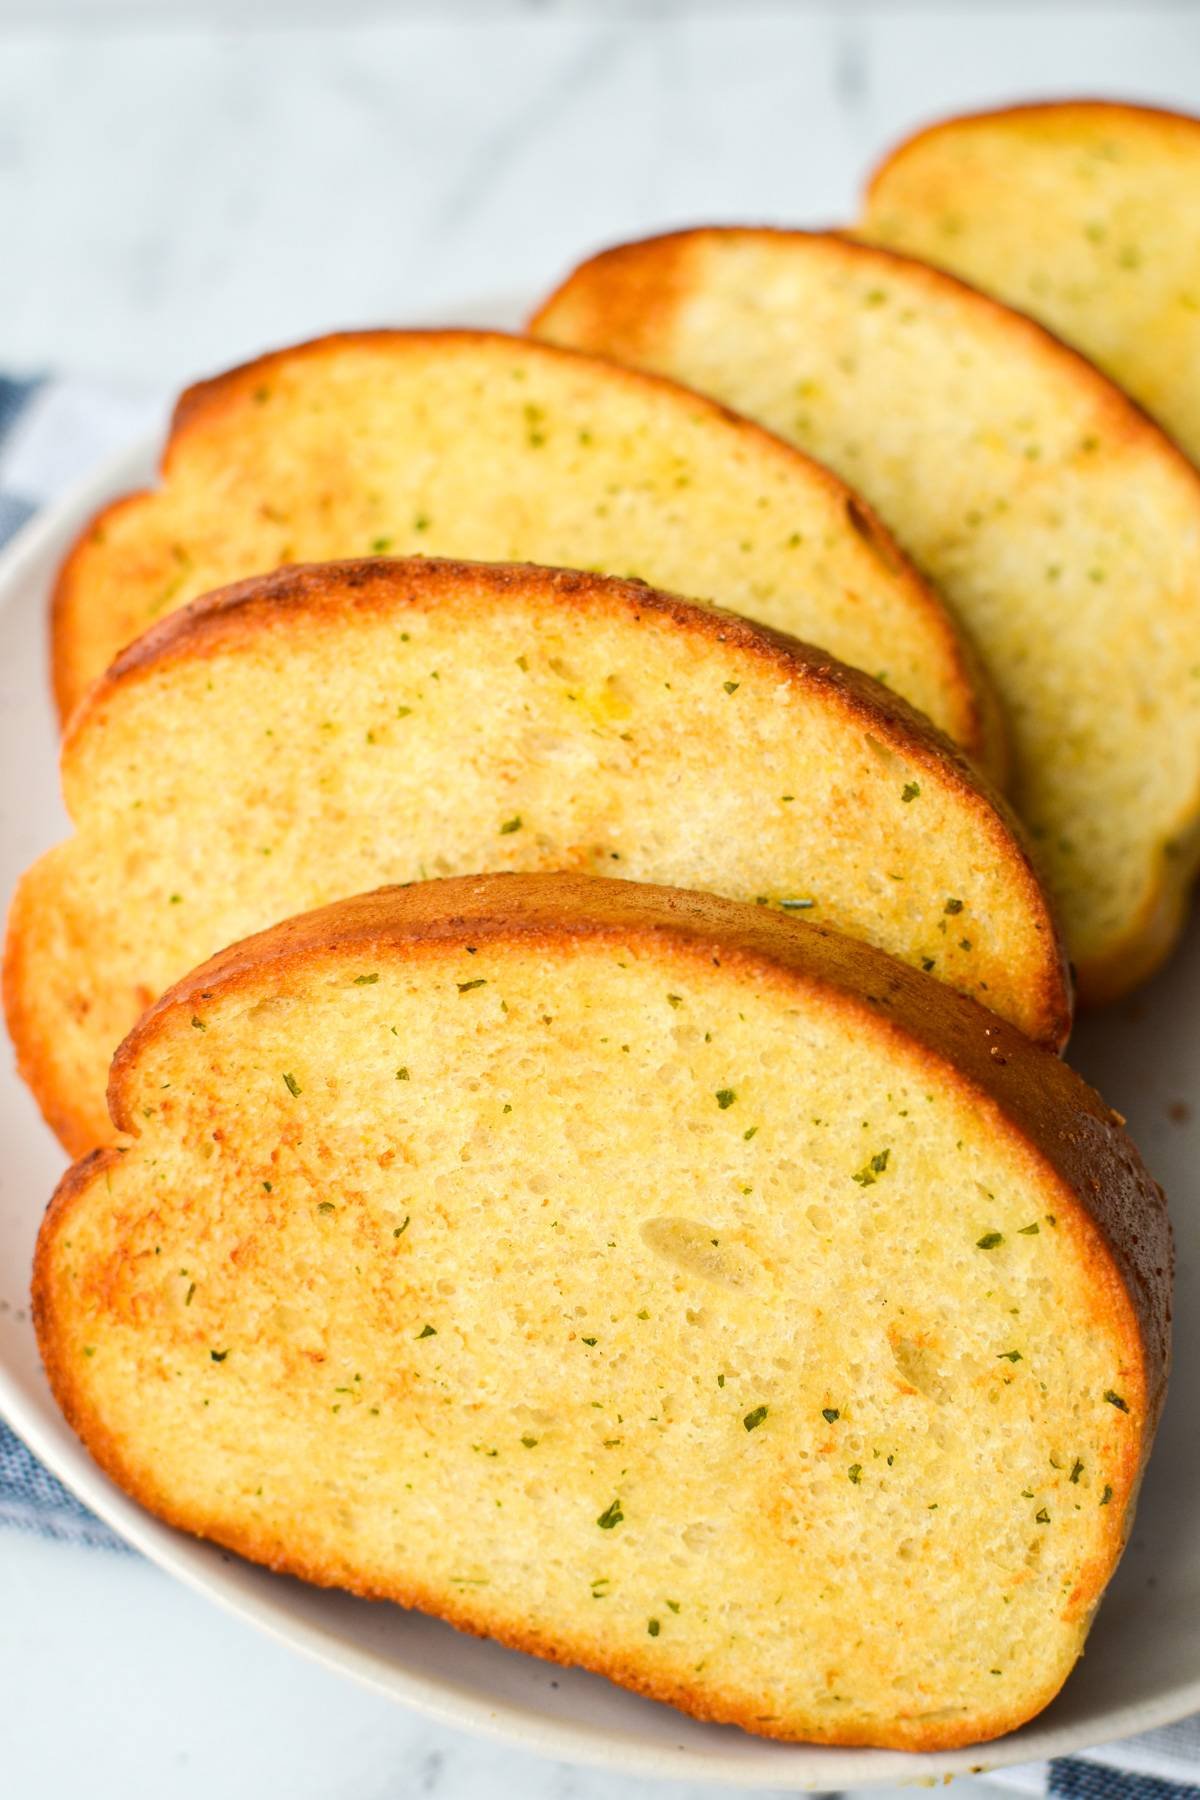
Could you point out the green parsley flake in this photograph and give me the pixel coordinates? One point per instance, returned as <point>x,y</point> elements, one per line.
<point>1012,1356</point>
<point>529,1442</point>
<point>325,1206</point>
<point>653,1627</point>
<point>293,1086</point>
<point>953,906</point>
<point>403,1074</point>
<point>1076,1471</point>
<point>465,987</point>
<point>1116,1400</point>
<point>725,1098</point>
<point>870,1172</point>
<point>830,1414</point>
<point>218,1355</point>
<point>731,687</point>
<point>365,980</point>
<point>426,1331</point>
<point>854,1473</point>
<point>198,1024</point>
<point>511,825</point>
<point>1042,1517</point>
<point>612,1515</point>
<point>754,1419</point>
<point>990,1240</point>
<point>910,790</point>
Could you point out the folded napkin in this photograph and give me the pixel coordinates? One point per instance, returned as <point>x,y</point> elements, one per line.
<point>52,432</point>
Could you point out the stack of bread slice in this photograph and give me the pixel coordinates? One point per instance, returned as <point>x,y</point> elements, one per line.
<point>560,1025</point>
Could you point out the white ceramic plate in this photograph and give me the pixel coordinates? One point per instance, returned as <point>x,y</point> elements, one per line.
<point>1143,1662</point>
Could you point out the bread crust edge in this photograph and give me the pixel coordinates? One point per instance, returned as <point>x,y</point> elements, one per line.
<point>1089,106</point>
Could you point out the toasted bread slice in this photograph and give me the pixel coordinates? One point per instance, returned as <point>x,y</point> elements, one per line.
<point>1062,524</point>
<point>1084,213</point>
<point>478,445</point>
<point>318,731</point>
<point>642,1278</point>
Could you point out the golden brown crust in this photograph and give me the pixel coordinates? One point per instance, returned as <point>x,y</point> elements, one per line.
<point>1088,107</point>
<point>263,603</point>
<point>983,728</point>
<point>59,1110</point>
<point>1115,1210</point>
<point>65,680</point>
<point>206,399</point>
<point>377,582</point>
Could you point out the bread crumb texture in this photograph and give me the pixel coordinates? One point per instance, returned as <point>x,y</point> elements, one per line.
<point>477,445</point>
<point>634,1279</point>
<point>1084,214</point>
<point>1062,524</point>
<point>320,731</point>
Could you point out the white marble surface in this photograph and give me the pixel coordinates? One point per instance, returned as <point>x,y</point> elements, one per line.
<point>178,190</point>
<point>179,195</point>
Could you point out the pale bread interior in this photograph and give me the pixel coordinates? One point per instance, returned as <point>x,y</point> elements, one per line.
<point>630,1302</point>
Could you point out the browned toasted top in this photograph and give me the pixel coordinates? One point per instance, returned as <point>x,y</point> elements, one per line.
<point>1159,116</point>
<point>380,583</point>
<point>206,398</point>
<point>264,603</point>
<point>642,278</point>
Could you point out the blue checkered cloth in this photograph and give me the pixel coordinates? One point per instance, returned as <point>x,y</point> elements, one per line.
<point>51,433</point>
